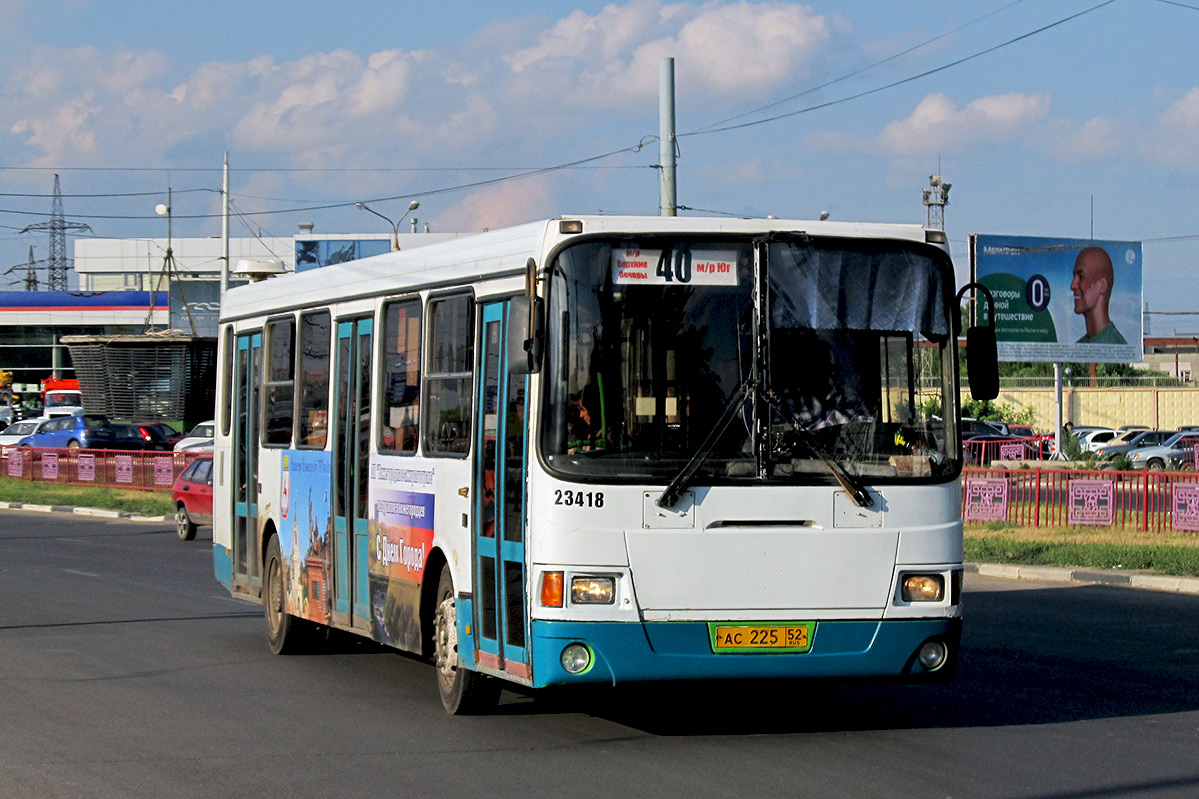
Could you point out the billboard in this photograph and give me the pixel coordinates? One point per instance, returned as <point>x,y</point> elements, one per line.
<point>1061,300</point>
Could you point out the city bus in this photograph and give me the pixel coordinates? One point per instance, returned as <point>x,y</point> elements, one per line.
<point>605,449</point>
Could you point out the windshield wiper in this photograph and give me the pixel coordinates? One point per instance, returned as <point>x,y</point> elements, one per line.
<point>860,495</point>
<point>683,479</point>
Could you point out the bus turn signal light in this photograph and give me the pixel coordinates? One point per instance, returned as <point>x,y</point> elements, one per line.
<point>551,589</point>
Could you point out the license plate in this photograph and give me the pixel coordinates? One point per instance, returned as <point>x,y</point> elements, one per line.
<point>743,638</point>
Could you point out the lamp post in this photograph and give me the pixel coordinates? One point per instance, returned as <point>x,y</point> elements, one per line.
<point>395,226</point>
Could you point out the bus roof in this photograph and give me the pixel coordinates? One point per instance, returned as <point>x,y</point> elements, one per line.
<point>502,253</point>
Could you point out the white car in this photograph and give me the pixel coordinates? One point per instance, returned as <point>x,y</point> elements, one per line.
<point>200,439</point>
<point>15,432</point>
<point>1093,439</point>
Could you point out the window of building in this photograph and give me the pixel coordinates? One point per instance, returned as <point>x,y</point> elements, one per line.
<point>315,329</point>
<point>449,377</point>
<point>401,376</point>
<point>280,382</point>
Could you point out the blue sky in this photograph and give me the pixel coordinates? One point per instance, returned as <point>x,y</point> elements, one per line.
<point>327,104</point>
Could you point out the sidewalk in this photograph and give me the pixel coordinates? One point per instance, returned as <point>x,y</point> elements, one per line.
<point>1066,574</point>
<point>1056,574</point>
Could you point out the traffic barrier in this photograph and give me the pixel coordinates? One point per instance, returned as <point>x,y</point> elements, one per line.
<point>132,469</point>
<point>1137,500</point>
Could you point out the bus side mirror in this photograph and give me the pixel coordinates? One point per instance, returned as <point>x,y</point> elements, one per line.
<point>982,352</point>
<point>982,362</point>
<point>524,335</point>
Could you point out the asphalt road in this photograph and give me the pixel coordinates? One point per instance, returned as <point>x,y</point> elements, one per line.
<point>126,671</point>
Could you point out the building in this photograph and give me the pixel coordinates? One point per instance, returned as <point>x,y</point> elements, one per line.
<point>124,287</point>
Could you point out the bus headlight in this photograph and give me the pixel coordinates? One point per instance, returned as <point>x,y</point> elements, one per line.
<point>922,588</point>
<point>592,590</point>
<point>576,658</point>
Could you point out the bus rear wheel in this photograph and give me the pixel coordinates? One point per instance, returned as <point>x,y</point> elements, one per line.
<point>285,634</point>
<point>463,692</point>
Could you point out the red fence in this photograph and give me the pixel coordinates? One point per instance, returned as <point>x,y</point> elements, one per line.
<point>148,471</point>
<point>1141,500</point>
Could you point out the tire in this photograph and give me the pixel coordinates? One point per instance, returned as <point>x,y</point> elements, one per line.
<point>462,691</point>
<point>72,444</point>
<point>1156,465</point>
<point>184,525</point>
<point>285,634</point>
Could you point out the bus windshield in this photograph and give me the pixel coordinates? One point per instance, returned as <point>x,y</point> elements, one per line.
<point>845,343</point>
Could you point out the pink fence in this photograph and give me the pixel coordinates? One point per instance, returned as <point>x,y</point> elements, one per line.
<point>148,471</point>
<point>1141,500</point>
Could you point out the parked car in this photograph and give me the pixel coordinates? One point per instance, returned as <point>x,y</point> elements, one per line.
<point>157,435</point>
<point>1133,439</point>
<point>977,427</point>
<point>1021,430</point>
<point>147,436</point>
<point>1093,439</point>
<point>89,431</point>
<point>192,495</point>
<point>17,431</point>
<point>1174,451</point>
<point>200,438</point>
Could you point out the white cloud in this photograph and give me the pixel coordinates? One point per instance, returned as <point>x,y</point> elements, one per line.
<point>63,134</point>
<point>1096,139</point>
<point>726,51</point>
<point>938,125</point>
<point>503,204</point>
<point>1173,138</point>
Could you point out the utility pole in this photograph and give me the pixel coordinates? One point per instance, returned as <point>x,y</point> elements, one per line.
<point>668,189</point>
<point>225,230</point>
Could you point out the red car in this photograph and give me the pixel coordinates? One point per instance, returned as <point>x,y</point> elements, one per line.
<point>192,495</point>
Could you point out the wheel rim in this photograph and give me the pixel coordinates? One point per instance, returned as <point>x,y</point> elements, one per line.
<point>445,632</point>
<point>181,521</point>
<point>274,596</point>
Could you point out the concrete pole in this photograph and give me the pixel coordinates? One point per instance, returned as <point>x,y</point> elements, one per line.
<point>225,230</point>
<point>1060,453</point>
<point>668,192</point>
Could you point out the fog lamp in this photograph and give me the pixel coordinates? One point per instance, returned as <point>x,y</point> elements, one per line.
<point>922,588</point>
<point>933,655</point>
<point>576,658</point>
<point>592,590</point>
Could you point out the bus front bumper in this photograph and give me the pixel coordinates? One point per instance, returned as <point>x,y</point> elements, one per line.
<point>624,652</point>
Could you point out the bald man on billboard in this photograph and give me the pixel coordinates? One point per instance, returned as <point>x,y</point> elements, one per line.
<point>1092,288</point>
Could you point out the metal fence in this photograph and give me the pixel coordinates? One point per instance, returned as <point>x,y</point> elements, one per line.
<point>146,471</point>
<point>1142,500</point>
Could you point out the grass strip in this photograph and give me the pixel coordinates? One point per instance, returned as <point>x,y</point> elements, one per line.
<point>146,503</point>
<point>1177,561</point>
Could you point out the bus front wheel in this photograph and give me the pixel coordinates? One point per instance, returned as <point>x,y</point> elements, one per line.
<point>462,691</point>
<point>284,632</point>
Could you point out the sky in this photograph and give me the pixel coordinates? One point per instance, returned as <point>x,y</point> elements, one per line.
<point>1060,118</point>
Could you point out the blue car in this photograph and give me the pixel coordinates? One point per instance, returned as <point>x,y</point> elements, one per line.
<point>89,431</point>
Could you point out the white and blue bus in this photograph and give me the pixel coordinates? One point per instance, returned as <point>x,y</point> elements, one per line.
<point>602,449</point>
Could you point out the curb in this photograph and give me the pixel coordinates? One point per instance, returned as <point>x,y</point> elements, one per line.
<point>1154,582</point>
<point>128,516</point>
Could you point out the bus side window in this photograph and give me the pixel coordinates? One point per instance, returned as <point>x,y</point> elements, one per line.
<point>449,376</point>
<point>315,329</point>
<point>401,376</point>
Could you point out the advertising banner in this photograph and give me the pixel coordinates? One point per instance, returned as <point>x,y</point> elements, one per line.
<point>1061,300</point>
<point>986,499</point>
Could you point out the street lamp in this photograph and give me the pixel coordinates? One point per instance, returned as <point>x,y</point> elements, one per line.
<point>395,226</point>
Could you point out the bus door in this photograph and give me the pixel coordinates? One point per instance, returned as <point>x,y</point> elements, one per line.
<point>501,606</point>
<point>351,466</point>
<point>246,565</point>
